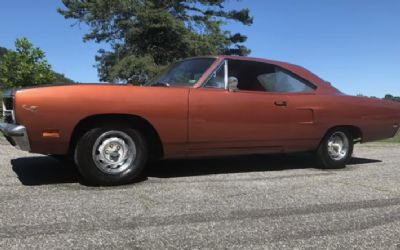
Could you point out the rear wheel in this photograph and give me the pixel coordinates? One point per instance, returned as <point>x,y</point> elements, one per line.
<point>336,149</point>
<point>111,155</point>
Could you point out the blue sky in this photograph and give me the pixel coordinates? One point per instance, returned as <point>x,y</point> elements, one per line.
<point>355,44</point>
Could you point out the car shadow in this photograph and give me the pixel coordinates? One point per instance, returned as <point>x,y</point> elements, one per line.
<point>44,170</point>
<point>237,164</point>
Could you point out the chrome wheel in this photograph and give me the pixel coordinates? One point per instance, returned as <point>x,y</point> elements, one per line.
<point>338,146</point>
<point>114,152</point>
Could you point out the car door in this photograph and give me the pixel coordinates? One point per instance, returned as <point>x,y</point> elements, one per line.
<point>225,122</point>
<point>304,132</point>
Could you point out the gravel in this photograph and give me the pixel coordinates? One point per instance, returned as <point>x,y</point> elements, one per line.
<point>251,202</point>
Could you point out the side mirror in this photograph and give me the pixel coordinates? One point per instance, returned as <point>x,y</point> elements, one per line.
<point>233,84</point>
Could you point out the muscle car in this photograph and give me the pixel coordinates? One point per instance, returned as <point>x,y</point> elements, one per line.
<point>198,107</point>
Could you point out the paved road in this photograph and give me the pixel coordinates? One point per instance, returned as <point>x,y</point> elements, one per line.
<point>258,202</point>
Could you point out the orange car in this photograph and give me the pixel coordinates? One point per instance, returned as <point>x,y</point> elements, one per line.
<point>204,106</point>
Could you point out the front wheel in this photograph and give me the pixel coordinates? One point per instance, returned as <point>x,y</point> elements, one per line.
<point>336,149</point>
<point>111,155</point>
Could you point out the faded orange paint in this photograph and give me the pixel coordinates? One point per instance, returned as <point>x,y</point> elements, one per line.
<point>203,122</point>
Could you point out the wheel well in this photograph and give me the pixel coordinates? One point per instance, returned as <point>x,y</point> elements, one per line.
<point>142,125</point>
<point>354,131</point>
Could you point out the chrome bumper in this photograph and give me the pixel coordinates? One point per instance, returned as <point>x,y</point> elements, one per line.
<point>16,135</point>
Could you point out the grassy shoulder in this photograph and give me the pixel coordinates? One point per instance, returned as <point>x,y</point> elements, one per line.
<point>395,139</point>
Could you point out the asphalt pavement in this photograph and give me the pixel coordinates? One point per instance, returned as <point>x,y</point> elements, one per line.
<point>250,202</point>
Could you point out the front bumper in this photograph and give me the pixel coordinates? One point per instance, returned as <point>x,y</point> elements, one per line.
<point>16,135</point>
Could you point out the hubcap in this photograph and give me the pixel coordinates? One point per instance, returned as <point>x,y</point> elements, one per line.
<point>338,146</point>
<point>114,152</point>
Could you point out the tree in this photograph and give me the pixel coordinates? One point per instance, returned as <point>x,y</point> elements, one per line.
<point>25,66</point>
<point>59,78</point>
<point>3,52</point>
<point>146,35</point>
<point>392,98</point>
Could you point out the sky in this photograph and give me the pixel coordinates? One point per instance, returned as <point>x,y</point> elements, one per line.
<point>354,44</point>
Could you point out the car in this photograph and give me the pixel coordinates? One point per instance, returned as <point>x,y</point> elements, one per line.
<point>198,107</point>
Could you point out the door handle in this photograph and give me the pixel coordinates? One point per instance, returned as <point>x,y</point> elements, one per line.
<point>281,103</point>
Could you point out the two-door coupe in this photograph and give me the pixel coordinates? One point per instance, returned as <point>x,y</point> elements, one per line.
<point>203,106</point>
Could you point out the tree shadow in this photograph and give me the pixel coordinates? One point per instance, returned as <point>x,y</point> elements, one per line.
<point>44,170</point>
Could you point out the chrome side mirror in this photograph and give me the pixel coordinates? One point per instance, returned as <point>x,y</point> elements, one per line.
<point>233,84</point>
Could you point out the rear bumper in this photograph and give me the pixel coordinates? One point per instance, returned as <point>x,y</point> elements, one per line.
<point>16,135</point>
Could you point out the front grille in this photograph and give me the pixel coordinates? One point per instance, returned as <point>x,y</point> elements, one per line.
<point>8,116</point>
<point>8,102</point>
<point>8,107</point>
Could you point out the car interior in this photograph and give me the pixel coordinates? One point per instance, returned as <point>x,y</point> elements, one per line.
<point>257,76</point>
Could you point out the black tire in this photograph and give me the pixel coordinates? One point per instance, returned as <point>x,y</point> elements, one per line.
<point>88,166</point>
<point>325,159</point>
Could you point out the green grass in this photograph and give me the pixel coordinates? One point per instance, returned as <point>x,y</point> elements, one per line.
<point>395,139</point>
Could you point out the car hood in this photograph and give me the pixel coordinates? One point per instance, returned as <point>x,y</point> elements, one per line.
<point>92,91</point>
<point>70,84</point>
<point>65,85</point>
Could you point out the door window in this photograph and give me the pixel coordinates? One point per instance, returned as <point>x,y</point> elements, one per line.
<point>280,81</point>
<point>257,76</point>
<point>217,79</point>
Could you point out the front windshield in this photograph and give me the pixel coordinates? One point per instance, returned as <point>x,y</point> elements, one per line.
<point>183,73</point>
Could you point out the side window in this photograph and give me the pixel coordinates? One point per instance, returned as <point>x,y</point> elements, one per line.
<point>281,81</point>
<point>264,77</point>
<point>217,79</point>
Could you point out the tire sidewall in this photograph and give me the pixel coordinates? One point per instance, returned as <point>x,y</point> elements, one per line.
<point>89,169</point>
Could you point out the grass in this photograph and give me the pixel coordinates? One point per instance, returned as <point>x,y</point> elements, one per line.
<point>395,139</point>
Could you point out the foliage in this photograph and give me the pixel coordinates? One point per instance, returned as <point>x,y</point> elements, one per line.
<point>146,35</point>
<point>392,98</point>
<point>61,78</point>
<point>387,97</point>
<point>361,95</point>
<point>3,52</point>
<point>25,66</point>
